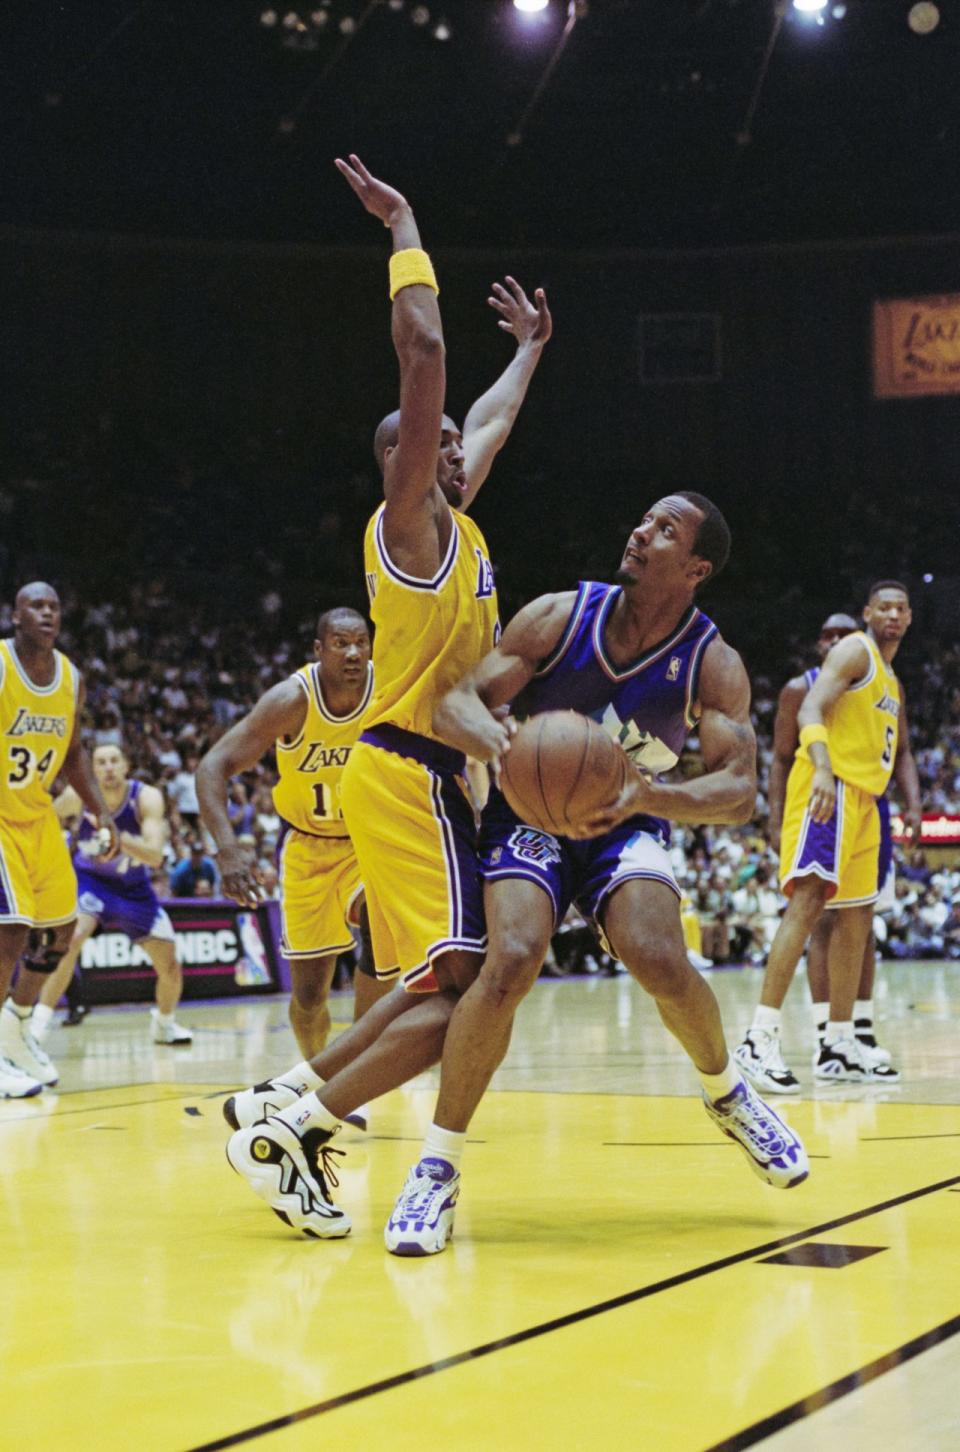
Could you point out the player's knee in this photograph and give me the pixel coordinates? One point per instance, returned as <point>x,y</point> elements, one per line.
<point>661,968</point>
<point>45,947</point>
<point>511,968</point>
<point>307,994</point>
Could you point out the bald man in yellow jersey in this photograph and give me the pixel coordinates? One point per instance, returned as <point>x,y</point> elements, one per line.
<point>41,698</point>
<point>404,795</point>
<point>852,730</point>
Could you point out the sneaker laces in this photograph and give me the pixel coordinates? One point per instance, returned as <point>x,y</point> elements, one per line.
<point>325,1167</point>
<point>758,1123</point>
<point>424,1187</point>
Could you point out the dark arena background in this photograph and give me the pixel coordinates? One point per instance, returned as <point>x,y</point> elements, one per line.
<point>746,218</point>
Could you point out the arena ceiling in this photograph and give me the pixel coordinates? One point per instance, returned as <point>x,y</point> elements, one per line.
<point>661,123</point>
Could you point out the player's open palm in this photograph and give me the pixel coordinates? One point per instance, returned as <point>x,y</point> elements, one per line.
<point>529,322</point>
<point>378,198</point>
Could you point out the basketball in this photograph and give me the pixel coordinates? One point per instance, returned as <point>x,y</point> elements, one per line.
<point>560,770</point>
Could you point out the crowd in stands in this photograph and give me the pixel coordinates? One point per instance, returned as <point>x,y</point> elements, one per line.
<point>175,649</point>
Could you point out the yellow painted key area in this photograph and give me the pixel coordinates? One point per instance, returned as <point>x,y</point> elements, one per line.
<point>606,1286</point>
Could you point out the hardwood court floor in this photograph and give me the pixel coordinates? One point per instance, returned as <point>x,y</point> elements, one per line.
<point>618,1280</point>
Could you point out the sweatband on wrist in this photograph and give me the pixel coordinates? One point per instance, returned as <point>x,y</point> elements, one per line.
<point>409,267</point>
<point>810,734</point>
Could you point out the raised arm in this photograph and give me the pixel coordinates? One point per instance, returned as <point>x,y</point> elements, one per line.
<point>281,712</point>
<point>906,775</point>
<point>78,773</point>
<point>414,502</point>
<point>786,734</point>
<point>848,662</point>
<point>490,420</point>
<point>464,716</point>
<point>727,790</point>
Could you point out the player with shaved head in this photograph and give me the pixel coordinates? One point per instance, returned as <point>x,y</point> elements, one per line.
<point>41,700</point>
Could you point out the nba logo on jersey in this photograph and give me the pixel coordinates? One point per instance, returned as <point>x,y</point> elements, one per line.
<point>372,584</point>
<point>485,580</point>
<point>673,669</point>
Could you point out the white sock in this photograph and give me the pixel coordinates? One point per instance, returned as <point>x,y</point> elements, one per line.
<point>821,1015</point>
<point>863,1012</point>
<point>21,1012</point>
<point>309,1113</point>
<point>444,1144</point>
<point>767,1019</point>
<point>166,1020</point>
<point>40,1019</point>
<point>301,1077</point>
<point>718,1086</point>
<point>839,1029</point>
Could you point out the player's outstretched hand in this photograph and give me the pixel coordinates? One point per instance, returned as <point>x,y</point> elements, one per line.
<point>378,198</point>
<point>237,880</point>
<point>529,322</point>
<point>109,839</point>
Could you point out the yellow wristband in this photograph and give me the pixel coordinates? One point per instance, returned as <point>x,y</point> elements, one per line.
<point>409,267</point>
<point>810,734</point>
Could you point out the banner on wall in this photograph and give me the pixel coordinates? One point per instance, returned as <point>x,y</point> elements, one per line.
<point>225,952</point>
<point>939,829</point>
<point>916,346</point>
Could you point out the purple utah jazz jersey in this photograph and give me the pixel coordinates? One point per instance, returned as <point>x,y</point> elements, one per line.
<point>122,871</point>
<point>648,706</point>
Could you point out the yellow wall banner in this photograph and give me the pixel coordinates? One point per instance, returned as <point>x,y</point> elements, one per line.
<point>916,346</point>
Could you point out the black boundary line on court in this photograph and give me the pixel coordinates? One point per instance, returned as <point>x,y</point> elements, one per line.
<point>558,1323</point>
<point>842,1387</point>
<point>886,1138</point>
<point>59,1114</point>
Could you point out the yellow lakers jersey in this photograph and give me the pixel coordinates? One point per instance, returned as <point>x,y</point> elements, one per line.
<point>36,727</point>
<point>429,632</point>
<point>864,723</point>
<point>308,792</point>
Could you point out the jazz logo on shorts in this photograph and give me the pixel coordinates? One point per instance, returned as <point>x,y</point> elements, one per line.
<point>531,846</point>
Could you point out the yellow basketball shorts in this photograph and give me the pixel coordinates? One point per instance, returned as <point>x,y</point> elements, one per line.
<point>38,886</point>
<point>406,806</point>
<point>320,889</point>
<point>844,851</point>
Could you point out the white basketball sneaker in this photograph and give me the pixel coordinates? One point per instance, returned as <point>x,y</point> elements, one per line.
<point>290,1172</point>
<point>760,1058</point>
<point>15,1084</point>
<point>775,1153</point>
<point>847,1061</point>
<point>169,1033</point>
<point>259,1102</point>
<point>19,1046</point>
<point>422,1219</point>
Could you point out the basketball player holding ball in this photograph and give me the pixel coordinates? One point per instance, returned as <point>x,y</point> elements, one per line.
<point>642,659</point>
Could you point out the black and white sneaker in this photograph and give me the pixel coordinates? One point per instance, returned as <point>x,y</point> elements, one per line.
<point>760,1059</point>
<point>847,1061</point>
<point>249,1106</point>
<point>290,1173</point>
<point>863,1029</point>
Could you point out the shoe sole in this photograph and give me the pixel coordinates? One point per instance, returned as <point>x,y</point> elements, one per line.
<point>27,1093</point>
<point>230,1112</point>
<point>767,1086</point>
<point>844,1078</point>
<point>414,1247</point>
<point>265,1179</point>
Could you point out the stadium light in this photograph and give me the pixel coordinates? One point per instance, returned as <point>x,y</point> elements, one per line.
<point>529,7</point>
<point>809,7</point>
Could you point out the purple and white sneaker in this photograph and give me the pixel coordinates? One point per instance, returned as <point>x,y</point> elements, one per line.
<point>775,1153</point>
<point>422,1219</point>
